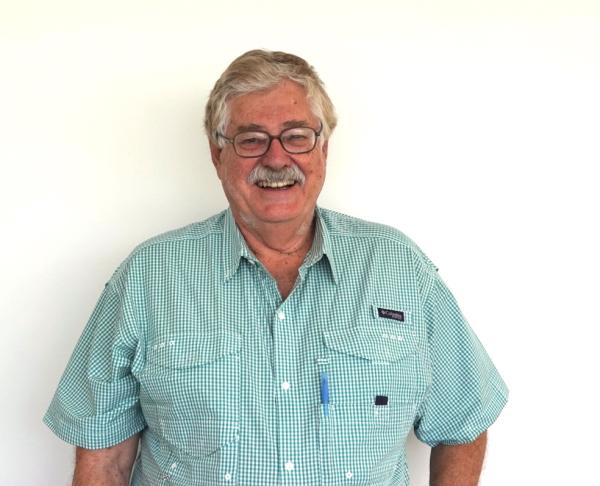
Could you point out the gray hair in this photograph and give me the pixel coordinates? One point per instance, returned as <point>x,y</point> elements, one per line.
<point>259,70</point>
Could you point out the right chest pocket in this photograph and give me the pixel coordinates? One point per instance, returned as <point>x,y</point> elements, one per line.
<point>190,391</point>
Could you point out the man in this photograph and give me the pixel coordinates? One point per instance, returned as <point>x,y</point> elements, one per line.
<point>276,342</point>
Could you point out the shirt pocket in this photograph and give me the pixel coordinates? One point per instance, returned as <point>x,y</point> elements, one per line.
<point>375,382</point>
<point>190,392</point>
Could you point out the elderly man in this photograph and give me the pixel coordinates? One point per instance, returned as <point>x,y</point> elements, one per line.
<point>276,342</point>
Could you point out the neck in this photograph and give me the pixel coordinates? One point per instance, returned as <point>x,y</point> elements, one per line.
<point>285,239</point>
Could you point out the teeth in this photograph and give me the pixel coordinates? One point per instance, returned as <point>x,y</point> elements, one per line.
<point>274,185</point>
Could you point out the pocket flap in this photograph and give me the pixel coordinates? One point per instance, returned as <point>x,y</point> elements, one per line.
<point>184,350</point>
<point>200,437</point>
<point>377,342</point>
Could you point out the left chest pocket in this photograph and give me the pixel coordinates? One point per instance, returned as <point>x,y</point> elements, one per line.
<point>190,388</point>
<point>376,358</point>
<point>375,379</point>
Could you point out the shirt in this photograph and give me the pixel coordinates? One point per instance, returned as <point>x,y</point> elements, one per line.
<point>192,344</point>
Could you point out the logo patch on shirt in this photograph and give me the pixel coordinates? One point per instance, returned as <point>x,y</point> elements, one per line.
<point>390,314</point>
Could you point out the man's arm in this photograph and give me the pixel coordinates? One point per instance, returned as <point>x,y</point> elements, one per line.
<point>457,465</point>
<point>105,467</point>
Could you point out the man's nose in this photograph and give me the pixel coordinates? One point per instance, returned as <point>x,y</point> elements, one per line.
<point>276,156</point>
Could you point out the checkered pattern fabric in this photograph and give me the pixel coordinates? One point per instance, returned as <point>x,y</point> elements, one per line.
<point>191,344</point>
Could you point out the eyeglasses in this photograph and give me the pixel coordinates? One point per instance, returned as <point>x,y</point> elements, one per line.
<point>299,140</point>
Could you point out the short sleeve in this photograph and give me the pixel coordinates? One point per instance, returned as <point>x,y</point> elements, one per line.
<point>467,393</point>
<point>96,404</point>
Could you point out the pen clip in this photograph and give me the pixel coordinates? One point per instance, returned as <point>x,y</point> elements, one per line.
<point>325,392</point>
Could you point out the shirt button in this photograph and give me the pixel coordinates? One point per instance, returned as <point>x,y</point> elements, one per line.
<point>280,315</point>
<point>349,475</point>
<point>285,385</point>
<point>227,477</point>
<point>289,466</point>
<point>174,465</point>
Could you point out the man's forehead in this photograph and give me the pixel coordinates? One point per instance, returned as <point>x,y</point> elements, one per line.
<point>294,123</point>
<point>286,102</point>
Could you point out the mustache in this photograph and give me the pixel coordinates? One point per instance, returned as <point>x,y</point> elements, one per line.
<point>289,173</point>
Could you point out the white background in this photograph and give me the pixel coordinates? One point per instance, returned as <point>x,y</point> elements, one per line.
<point>471,126</point>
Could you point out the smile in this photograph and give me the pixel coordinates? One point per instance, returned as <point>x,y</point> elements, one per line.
<point>275,185</point>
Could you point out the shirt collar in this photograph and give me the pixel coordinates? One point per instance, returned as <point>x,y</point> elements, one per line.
<point>321,246</point>
<point>235,247</point>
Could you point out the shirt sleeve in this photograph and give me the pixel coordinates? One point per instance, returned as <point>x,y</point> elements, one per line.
<point>96,404</point>
<point>467,393</point>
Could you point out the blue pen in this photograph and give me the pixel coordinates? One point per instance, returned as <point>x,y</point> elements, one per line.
<point>325,393</point>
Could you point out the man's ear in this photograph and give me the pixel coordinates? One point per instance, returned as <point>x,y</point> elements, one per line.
<point>325,149</point>
<point>215,154</point>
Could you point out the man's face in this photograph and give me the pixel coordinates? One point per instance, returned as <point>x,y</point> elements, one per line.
<point>271,111</point>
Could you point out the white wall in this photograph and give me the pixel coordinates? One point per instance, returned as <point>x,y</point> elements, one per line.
<point>473,127</point>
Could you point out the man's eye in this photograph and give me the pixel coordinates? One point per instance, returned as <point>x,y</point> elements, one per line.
<point>251,141</point>
<point>296,137</point>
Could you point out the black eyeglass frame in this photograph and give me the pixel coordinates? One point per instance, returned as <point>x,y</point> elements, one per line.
<point>271,138</point>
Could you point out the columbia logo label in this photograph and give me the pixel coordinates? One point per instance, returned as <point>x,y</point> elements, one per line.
<point>390,314</point>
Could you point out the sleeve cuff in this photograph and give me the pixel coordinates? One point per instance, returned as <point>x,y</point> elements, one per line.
<point>474,428</point>
<point>91,433</point>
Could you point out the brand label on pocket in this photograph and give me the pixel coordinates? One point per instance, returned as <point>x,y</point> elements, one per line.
<point>390,314</point>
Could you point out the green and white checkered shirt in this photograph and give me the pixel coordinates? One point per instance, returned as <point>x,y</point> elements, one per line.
<point>192,344</point>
